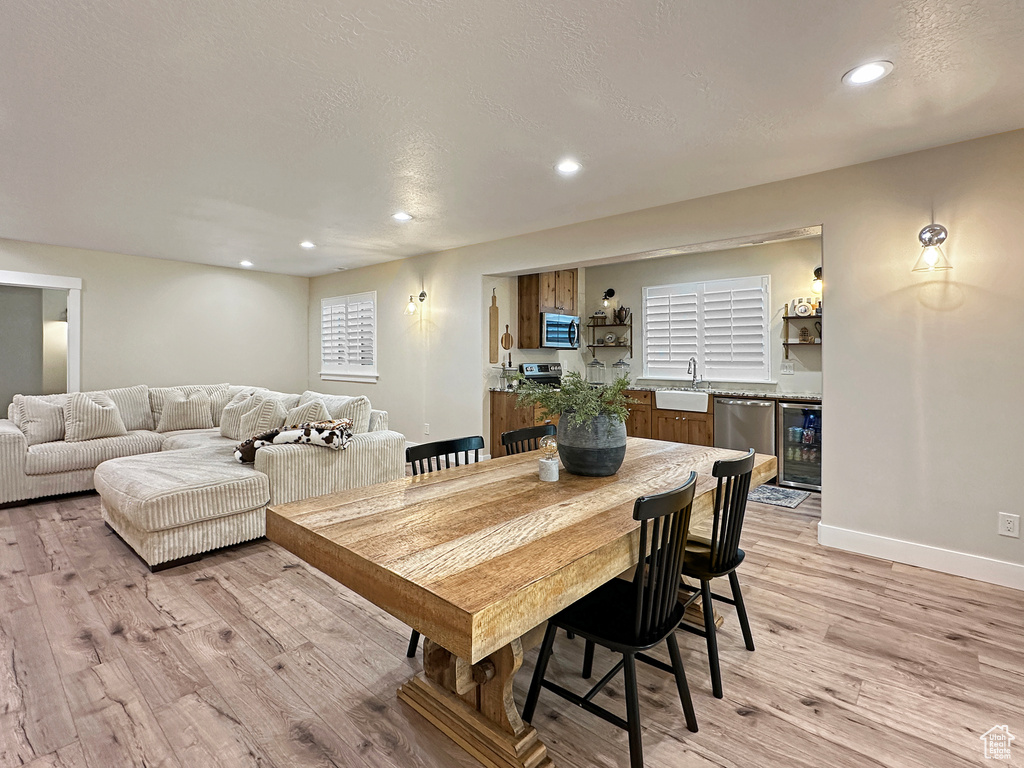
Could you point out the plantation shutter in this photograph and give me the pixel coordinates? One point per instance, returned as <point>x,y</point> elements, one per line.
<point>723,324</point>
<point>348,337</point>
<point>671,329</point>
<point>735,340</point>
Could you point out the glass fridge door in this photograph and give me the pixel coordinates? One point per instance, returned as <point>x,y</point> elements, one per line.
<point>800,445</point>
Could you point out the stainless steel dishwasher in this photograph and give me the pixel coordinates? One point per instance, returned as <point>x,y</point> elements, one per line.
<point>743,423</point>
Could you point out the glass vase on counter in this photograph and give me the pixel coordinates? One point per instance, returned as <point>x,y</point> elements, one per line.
<point>596,372</point>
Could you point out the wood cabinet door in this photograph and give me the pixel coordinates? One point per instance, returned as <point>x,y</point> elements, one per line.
<point>639,422</point>
<point>539,417</point>
<point>529,312</point>
<point>548,292</point>
<point>699,430</point>
<point>670,425</point>
<point>565,291</point>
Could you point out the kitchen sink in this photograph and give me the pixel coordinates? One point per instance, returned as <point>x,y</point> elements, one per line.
<point>680,400</point>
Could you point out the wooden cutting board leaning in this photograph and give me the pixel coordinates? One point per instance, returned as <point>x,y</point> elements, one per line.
<point>493,317</point>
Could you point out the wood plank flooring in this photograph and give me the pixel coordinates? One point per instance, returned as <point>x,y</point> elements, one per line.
<point>249,658</point>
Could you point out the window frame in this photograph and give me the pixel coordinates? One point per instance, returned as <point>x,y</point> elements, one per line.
<point>348,372</point>
<point>763,373</point>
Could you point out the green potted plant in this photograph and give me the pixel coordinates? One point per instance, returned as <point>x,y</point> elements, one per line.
<point>592,427</point>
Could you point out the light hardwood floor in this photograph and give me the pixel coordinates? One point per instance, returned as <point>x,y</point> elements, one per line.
<point>249,658</point>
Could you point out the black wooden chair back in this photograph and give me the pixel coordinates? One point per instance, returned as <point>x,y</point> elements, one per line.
<point>664,525</point>
<point>730,507</point>
<point>525,439</point>
<point>428,457</point>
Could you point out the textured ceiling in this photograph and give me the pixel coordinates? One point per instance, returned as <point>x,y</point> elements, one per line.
<point>220,130</point>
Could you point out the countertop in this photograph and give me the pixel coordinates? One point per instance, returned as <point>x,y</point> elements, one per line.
<point>784,396</point>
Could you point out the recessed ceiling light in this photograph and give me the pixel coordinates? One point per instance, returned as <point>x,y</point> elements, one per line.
<point>245,263</point>
<point>401,216</point>
<point>868,73</point>
<point>307,244</point>
<point>568,167</point>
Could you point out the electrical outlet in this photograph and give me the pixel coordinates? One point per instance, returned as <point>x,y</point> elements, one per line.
<point>786,368</point>
<point>426,429</point>
<point>1009,525</point>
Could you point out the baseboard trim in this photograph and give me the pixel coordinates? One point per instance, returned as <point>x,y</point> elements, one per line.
<point>976,567</point>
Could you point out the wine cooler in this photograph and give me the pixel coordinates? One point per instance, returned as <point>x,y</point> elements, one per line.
<point>799,426</point>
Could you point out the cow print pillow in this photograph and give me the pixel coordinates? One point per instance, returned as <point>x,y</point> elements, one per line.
<point>329,434</point>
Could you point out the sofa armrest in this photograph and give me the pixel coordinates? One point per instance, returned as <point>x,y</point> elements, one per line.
<point>13,453</point>
<point>378,421</point>
<point>303,471</point>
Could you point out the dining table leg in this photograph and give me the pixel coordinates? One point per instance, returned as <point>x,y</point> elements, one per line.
<point>473,705</point>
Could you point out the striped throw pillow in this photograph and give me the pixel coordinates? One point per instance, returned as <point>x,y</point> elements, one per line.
<point>268,415</point>
<point>181,411</point>
<point>91,415</point>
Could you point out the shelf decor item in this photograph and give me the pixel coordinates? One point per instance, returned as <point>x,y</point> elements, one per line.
<point>592,430</point>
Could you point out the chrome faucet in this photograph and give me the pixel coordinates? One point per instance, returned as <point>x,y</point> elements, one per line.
<point>691,367</point>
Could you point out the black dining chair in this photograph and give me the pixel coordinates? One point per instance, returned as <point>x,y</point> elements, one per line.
<point>525,439</point>
<point>632,617</point>
<point>708,559</point>
<point>429,457</point>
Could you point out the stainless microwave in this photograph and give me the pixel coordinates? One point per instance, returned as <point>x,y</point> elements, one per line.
<point>559,331</point>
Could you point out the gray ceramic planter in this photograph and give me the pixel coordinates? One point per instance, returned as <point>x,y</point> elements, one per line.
<point>595,449</point>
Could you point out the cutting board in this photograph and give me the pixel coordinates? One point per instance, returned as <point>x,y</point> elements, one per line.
<point>493,315</point>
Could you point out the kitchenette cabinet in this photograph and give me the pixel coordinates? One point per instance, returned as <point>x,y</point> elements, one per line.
<point>682,426</point>
<point>506,416</point>
<point>639,422</point>
<point>545,292</point>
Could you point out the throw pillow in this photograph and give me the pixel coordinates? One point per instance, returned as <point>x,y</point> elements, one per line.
<point>313,411</point>
<point>133,405</point>
<point>91,415</point>
<point>158,395</point>
<point>269,414</point>
<point>40,418</point>
<point>231,417</point>
<point>328,434</point>
<point>220,399</point>
<point>183,411</point>
<point>341,407</point>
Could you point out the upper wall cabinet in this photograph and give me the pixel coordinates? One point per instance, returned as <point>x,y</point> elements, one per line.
<point>544,292</point>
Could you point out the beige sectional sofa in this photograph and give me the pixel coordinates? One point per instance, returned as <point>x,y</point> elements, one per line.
<point>179,492</point>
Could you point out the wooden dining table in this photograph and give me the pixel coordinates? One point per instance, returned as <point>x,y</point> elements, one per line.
<point>476,557</point>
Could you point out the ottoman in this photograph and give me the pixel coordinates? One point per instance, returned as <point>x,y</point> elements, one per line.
<point>172,506</point>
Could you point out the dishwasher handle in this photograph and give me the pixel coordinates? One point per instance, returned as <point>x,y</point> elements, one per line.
<point>756,403</point>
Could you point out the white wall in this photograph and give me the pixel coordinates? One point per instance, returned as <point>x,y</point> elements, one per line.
<point>791,267</point>
<point>921,376</point>
<point>161,322</point>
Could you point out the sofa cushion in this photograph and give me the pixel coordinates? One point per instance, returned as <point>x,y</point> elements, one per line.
<point>231,418</point>
<point>314,410</point>
<point>357,409</point>
<point>91,415</point>
<point>181,411</point>
<point>133,405</point>
<point>40,417</point>
<point>158,395</point>
<point>268,414</point>
<point>197,438</point>
<point>60,456</point>
<point>167,490</point>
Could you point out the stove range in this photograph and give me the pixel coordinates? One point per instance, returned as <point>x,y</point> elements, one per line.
<point>542,373</point>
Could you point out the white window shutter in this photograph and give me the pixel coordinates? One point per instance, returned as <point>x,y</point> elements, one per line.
<point>348,337</point>
<point>723,324</point>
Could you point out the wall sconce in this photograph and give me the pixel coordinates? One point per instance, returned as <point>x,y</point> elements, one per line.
<point>608,294</point>
<point>816,282</point>
<point>932,259</point>
<point>411,308</point>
